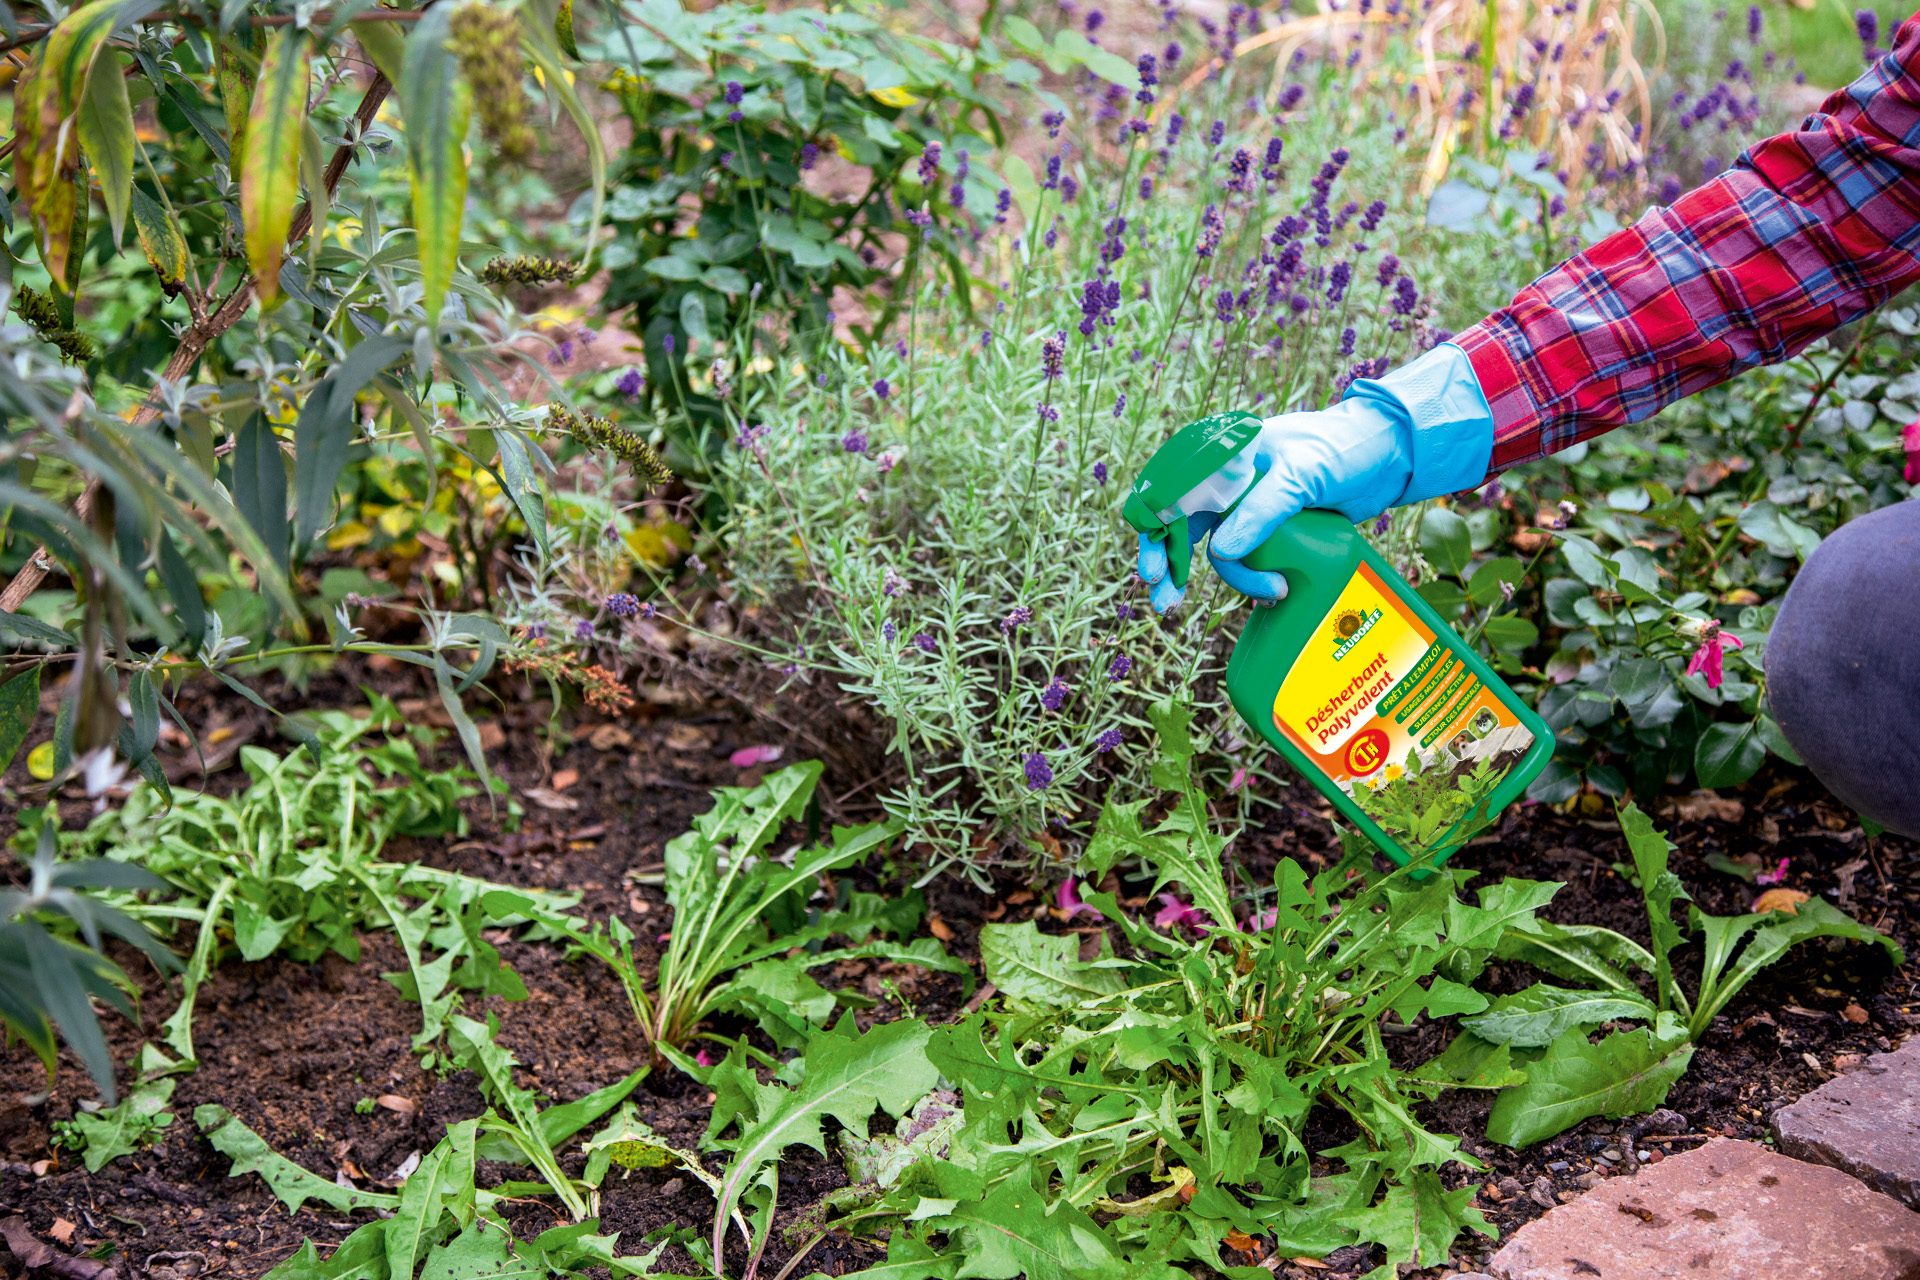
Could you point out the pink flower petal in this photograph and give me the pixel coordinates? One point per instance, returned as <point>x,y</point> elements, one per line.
<point>706,1059</point>
<point>1067,898</point>
<point>1265,920</point>
<point>1175,912</point>
<point>1774,876</point>
<point>747,757</point>
<point>1238,780</point>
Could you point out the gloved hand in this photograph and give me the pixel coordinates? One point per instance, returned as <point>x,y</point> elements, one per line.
<point>1422,430</point>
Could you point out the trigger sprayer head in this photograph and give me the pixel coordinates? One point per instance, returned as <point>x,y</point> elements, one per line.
<point>1203,467</point>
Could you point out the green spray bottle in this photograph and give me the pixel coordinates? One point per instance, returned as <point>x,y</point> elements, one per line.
<point>1353,676</point>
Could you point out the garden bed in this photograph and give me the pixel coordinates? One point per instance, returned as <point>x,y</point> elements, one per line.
<point>291,1048</point>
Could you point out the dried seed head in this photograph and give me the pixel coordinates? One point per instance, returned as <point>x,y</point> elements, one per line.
<point>527,270</point>
<point>38,310</point>
<point>599,433</point>
<point>486,40</point>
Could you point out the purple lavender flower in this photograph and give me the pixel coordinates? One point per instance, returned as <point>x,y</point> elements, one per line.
<point>1176,123</point>
<point>1002,204</point>
<point>1095,20</point>
<point>1053,351</point>
<point>649,609</point>
<point>1172,54</point>
<point>1039,772</point>
<point>561,354</point>
<point>1753,23</point>
<point>1389,268</point>
<point>930,164</point>
<point>1866,25</point>
<point>1053,120</point>
<point>536,631</point>
<point>1049,414</point>
<point>1119,410</point>
<point>1347,339</point>
<point>1371,218</point>
<point>920,218</point>
<point>855,441</point>
<point>1069,189</point>
<point>1123,610</point>
<point>882,388</point>
<point>1019,617</point>
<point>925,643</point>
<point>888,631</point>
<point>1670,189</point>
<point>666,343</point>
<point>891,584</point>
<point>583,630</point>
<point>1108,740</point>
<point>734,93</point>
<point>1054,696</point>
<point>1212,227</point>
<point>622,605</point>
<point>1216,133</point>
<point>1290,97</point>
<point>1381,525</point>
<point>1405,295</point>
<point>1238,169</point>
<point>1117,671</point>
<point>631,384</point>
<point>1338,279</point>
<point>809,156</point>
<point>1100,470</point>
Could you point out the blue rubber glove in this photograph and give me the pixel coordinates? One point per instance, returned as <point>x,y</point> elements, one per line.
<point>1423,430</point>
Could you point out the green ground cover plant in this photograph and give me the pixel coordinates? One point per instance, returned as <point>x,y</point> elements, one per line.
<point>291,865</point>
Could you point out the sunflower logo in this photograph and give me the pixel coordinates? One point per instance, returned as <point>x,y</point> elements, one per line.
<point>1347,622</point>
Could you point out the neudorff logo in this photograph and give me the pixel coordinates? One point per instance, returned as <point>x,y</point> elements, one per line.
<point>1350,626</point>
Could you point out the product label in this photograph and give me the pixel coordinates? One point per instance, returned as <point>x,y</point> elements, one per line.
<point>1375,692</point>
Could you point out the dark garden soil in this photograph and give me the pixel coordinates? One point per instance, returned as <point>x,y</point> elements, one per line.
<point>291,1049</point>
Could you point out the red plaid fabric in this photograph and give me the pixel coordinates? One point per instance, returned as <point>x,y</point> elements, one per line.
<point>1807,231</point>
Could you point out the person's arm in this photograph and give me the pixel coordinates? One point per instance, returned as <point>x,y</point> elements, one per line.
<point>1807,231</point>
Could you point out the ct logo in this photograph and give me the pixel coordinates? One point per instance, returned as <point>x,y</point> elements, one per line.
<point>1367,752</point>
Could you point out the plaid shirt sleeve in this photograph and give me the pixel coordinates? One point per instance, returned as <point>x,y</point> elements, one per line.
<point>1806,232</point>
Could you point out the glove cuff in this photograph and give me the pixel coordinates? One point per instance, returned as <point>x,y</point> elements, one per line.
<point>1450,426</point>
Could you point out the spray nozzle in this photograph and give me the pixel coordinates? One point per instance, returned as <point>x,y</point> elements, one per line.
<point>1205,466</point>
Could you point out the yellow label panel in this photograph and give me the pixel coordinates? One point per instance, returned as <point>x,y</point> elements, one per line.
<point>1371,667</point>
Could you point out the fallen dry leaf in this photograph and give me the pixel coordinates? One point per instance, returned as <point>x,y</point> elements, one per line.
<point>62,1230</point>
<point>608,736</point>
<point>1702,805</point>
<point>41,1167</point>
<point>548,799</point>
<point>1312,1264</point>
<point>1848,1062</point>
<point>939,928</point>
<point>1020,898</point>
<point>686,737</point>
<point>1238,1239</point>
<point>1854,1013</point>
<point>565,778</point>
<point>1787,900</point>
<point>394,1102</point>
<point>492,736</point>
<point>1769,831</point>
<point>999,909</point>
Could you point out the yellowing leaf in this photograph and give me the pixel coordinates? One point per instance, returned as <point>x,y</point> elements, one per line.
<point>1153,1202</point>
<point>437,104</point>
<point>160,238</point>
<point>46,153</point>
<point>894,97</point>
<point>350,534</point>
<point>270,172</point>
<point>40,762</point>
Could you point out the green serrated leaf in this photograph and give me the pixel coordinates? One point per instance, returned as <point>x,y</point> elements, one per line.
<point>886,1068</point>
<point>293,1185</point>
<point>1045,968</point>
<point>1539,1015</point>
<point>1625,1074</point>
<point>126,1128</point>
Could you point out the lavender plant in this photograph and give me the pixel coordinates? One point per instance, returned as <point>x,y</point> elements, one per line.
<point>936,525</point>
